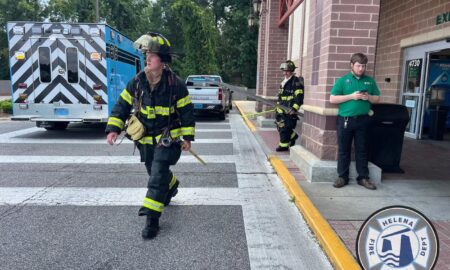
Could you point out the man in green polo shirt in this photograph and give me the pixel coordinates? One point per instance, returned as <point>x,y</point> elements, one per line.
<point>354,92</point>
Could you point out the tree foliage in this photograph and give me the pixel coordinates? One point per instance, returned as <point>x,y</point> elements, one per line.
<point>211,36</point>
<point>199,36</point>
<point>14,10</point>
<point>238,50</point>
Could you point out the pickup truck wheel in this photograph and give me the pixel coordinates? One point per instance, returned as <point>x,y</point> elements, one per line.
<point>222,115</point>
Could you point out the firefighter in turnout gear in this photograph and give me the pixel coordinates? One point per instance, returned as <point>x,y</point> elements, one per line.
<point>290,96</point>
<point>164,124</point>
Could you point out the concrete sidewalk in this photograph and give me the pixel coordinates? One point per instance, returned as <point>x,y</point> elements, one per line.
<point>347,208</point>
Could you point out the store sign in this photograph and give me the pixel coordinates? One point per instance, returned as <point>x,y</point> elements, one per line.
<point>414,75</point>
<point>443,18</point>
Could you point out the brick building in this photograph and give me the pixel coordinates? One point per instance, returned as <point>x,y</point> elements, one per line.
<point>407,43</point>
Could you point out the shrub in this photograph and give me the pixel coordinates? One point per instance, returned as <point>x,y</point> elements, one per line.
<point>6,106</point>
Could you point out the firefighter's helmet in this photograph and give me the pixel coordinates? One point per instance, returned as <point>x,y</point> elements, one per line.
<point>154,43</point>
<point>288,66</point>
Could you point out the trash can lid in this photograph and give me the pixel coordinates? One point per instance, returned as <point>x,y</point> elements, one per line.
<point>390,112</point>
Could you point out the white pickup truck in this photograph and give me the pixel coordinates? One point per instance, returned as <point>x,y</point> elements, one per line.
<point>209,94</point>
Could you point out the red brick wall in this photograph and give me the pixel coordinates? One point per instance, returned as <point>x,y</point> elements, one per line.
<point>337,29</point>
<point>346,28</point>
<point>273,49</point>
<point>400,20</point>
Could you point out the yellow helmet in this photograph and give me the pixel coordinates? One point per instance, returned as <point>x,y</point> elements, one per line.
<point>154,43</point>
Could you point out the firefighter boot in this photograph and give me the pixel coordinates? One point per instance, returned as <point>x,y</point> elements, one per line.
<point>292,143</point>
<point>151,227</point>
<point>281,149</point>
<point>172,193</point>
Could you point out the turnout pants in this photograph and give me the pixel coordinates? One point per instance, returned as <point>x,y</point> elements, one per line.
<point>158,160</point>
<point>285,126</point>
<point>349,128</point>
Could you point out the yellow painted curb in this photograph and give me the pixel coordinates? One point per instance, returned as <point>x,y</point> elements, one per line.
<point>248,122</point>
<point>337,252</point>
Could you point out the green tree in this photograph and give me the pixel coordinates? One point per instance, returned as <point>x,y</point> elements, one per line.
<point>14,10</point>
<point>70,10</point>
<point>237,51</point>
<point>200,38</point>
<point>127,16</point>
<point>211,35</point>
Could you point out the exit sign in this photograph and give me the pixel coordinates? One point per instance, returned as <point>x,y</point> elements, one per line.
<point>443,18</point>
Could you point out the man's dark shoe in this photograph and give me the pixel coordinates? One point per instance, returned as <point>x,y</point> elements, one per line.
<point>281,149</point>
<point>367,184</point>
<point>151,228</point>
<point>172,193</point>
<point>340,182</point>
<point>293,140</point>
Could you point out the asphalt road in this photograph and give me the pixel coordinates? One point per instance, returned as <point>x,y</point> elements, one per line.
<point>69,201</point>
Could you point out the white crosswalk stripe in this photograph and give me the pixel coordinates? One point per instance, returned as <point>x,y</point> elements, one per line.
<point>95,141</point>
<point>104,159</point>
<point>113,196</point>
<point>12,137</point>
<point>276,236</point>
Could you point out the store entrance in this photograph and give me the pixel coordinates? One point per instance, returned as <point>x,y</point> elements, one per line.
<point>426,90</point>
<point>436,117</point>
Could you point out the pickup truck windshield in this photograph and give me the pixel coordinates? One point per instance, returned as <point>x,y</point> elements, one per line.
<point>203,81</point>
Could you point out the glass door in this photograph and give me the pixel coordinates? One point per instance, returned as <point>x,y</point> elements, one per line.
<point>412,94</point>
<point>414,83</point>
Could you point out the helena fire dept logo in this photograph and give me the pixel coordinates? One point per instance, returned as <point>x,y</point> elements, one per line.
<point>397,237</point>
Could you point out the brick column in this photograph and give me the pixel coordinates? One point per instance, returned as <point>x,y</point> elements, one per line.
<point>261,50</point>
<point>337,29</point>
<point>272,50</point>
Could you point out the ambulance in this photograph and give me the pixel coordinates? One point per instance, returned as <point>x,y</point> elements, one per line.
<point>68,72</point>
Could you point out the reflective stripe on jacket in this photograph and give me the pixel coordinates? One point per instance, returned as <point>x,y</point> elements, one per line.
<point>291,95</point>
<point>155,108</point>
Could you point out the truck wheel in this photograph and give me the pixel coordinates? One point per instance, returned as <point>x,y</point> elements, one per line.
<point>222,115</point>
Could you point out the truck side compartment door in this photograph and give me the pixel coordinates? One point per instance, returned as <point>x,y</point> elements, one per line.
<point>42,68</point>
<point>23,71</point>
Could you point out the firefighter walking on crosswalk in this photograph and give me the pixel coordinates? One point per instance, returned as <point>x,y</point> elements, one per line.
<point>161,125</point>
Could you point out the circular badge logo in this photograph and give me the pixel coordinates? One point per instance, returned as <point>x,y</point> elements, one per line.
<point>397,237</point>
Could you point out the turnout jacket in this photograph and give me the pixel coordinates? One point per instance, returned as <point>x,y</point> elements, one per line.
<point>291,94</point>
<point>155,108</point>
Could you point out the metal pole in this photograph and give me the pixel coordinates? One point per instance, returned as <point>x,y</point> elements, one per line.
<point>96,12</point>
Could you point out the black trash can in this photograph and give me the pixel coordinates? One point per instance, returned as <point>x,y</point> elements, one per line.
<point>386,133</point>
<point>438,120</point>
